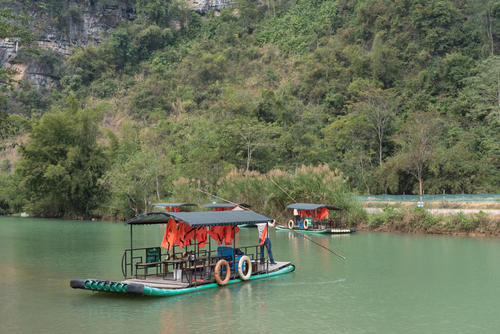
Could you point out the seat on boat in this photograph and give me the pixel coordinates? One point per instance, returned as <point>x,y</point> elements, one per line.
<point>153,259</point>
<point>153,255</point>
<point>230,255</point>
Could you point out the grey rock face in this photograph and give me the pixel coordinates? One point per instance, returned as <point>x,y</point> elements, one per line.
<point>85,23</point>
<point>203,6</point>
<point>8,49</point>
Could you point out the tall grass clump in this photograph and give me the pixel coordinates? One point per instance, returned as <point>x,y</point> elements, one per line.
<point>463,222</point>
<point>189,191</point>
<point>270,193</point>
<point>389,215</point>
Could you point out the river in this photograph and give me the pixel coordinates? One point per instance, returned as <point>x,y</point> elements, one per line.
<point>390,283</point>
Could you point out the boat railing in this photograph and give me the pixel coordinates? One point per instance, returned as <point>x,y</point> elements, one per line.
<point>198,273</point>
<point>336,222</point>
<point>197,262</point>
<point>131,257</point>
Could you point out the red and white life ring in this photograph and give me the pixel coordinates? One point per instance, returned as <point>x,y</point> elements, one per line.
<point>245,259</point>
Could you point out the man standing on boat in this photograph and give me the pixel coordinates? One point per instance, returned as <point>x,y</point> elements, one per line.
<point>265,241</point>
<point>296,215</point>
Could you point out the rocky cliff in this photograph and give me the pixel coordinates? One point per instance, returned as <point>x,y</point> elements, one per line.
<point>203,6</point>
<point>82,24</point>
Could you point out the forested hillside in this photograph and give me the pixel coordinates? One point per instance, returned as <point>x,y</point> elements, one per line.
<point>375,96</point>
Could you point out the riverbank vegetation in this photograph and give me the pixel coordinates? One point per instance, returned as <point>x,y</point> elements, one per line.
<point>418,220</point>
<point>373,96</point>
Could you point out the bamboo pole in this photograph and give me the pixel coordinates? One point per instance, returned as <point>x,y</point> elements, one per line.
<point>225,200</point>
<point>328,249</point>
<point>283,190</point>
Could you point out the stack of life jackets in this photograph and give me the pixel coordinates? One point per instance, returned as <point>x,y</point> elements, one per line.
<point>181,234</point>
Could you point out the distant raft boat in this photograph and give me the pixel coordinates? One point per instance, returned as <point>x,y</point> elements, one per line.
<point>163,271</point>
<point>314,218</point>
<point>326,231</point>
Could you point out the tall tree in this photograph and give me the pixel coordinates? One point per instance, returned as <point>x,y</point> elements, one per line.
<point>62,164</point>
<point>253,135</point>
<point>379,107</point>
<point>417,145</point>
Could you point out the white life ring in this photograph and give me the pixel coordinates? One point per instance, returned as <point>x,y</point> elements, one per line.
<point>290,224</point>
<point>218,265</point>
<point>306,224</point>
<point>244,259</point>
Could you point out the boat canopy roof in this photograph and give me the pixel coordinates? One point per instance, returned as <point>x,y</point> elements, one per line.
<point>226,205</point>
<point>172,205</point>
<point>310,206</point>
<point>206,218</point>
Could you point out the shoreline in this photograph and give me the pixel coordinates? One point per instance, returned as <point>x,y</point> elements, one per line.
<point>477,220</point>
<point>471,234</point>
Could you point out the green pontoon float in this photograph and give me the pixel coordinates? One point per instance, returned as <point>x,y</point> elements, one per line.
<point>198,252</point>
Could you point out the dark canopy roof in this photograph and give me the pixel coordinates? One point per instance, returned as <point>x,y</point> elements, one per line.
<point>206,218</point>
<point>172,205</point>
<point>226,205</point>
<point>310,206</point>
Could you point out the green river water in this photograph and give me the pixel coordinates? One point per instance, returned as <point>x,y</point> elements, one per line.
<point>390,283</point>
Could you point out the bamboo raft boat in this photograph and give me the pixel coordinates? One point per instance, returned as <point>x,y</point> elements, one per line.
<point>182,264</point>
<point>314,218</point>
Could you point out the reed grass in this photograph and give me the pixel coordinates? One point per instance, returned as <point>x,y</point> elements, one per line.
<point>271,192</point>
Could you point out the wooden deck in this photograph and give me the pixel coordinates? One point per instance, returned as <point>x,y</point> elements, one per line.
<point>161,283</point>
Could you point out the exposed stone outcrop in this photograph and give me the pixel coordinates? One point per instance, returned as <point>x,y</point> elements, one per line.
<point>203,6</point>
<point>84,23</point>
<point>85,27</point>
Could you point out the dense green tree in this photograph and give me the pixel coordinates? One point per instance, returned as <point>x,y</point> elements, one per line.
<point>379,109</point>
<point>483,89</point>
<point>62,164</point>
<point>417,146</point>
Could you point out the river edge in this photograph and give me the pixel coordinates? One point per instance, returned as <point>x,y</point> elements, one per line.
<point>407,220</point>
<point>412,220</point>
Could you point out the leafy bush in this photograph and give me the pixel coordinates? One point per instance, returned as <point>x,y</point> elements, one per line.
<point>389,215</point>
<point>464,222</point>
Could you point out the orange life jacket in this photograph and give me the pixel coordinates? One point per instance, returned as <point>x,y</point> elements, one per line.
<point>217,233</point>
<point>180,237</point>
<point>170,234</point>
<point>323,213</point>
<point>188,234</point>
<point>262,236</point>
<point>201,236</point>
<point>229,233</point>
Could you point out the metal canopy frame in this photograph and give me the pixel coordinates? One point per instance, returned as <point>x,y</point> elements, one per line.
<point>205,218</point>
